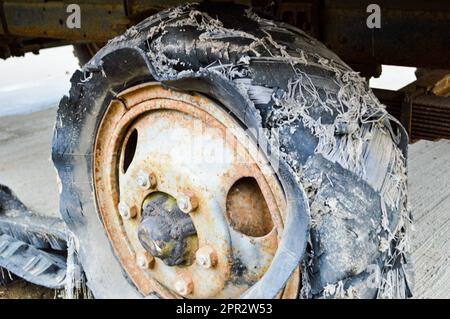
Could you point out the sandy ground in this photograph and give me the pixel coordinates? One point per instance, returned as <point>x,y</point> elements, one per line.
<point>25,166</point>
<point>21,289</point>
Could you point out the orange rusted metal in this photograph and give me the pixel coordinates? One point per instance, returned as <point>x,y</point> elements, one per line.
<point>179,140</point>
<point>247,210</point>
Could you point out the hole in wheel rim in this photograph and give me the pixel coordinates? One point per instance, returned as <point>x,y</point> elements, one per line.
<point>247,210</point>
<point>130,150</point>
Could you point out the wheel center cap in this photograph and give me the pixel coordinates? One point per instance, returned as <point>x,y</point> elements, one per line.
<point>166,232</point>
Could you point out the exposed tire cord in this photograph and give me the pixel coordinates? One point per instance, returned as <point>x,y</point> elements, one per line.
<point>341,146</point>
<point>6,277</point>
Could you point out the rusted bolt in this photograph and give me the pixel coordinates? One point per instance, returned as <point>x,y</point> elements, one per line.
<point>145,261</point>
<point>184,286</point>
<point>187,203</point>
<point>145,180</point>
<point>126,211</point>
<point>206,257</point>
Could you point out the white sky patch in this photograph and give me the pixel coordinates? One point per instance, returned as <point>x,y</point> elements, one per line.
<point>35,82</point>
<point>393,77</point>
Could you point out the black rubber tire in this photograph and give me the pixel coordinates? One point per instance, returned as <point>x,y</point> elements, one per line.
<point>341,145</point>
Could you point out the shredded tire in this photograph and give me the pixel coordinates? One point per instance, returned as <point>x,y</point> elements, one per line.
<point>344,150</point>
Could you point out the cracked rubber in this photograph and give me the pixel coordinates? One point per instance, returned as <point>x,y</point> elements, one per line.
<point>340,145</point>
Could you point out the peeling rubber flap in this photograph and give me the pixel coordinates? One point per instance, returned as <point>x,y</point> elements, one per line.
<point>33,265</point>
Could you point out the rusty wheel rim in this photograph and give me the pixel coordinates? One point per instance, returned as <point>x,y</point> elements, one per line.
<point>178,137</point>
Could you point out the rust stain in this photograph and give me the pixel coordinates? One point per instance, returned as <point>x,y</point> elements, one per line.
<point>256,209</point>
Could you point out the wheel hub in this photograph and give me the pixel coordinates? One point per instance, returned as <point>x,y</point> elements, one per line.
<point>166,232</point>
<point>187,200</point>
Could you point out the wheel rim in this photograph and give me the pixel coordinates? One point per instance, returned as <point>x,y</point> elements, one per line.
<point>156,142</point>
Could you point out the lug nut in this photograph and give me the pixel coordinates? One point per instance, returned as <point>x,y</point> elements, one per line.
<point>145,180</point>
<point>126,211</point>
<point>206,257</point>
<point>145,261</point>
<point>184,286</point>
<point>187,203</point>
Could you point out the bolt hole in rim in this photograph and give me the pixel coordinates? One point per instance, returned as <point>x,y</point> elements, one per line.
<point>236,204</point>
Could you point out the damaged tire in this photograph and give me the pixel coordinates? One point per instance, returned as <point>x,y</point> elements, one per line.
<point>341,158</point>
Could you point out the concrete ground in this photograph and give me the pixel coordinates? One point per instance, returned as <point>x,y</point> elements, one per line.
<point>25,163</point>
<point>25,166</point>
<point>429,189</point>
